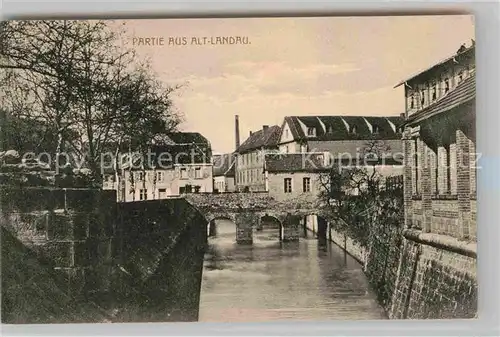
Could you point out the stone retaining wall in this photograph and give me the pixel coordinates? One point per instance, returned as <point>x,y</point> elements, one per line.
<point>423,276</point>
<point>139,261</point>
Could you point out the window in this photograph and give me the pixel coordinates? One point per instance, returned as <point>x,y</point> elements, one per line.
<point>288,185</point>
<point>159,177</point>
<point>306,185</point>
<point>143,194</point>
<point>446,85</point>
<point>184,174</point>
<point>422,97</point>
<point>434,92</point>
<point>460,76</point>
<point>354,130</point>
<point>197,173</point>
<point>412,102</point>
<point>375,129</point>
<point>286,133</point>
<point>310,131</point>
<point>162,193</point>
<point>286,148</point>
<point>330,129</point>
<point>417,167</point>
<point>141,176</point>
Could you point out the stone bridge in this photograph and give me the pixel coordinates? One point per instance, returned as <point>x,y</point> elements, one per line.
<point>246,210</point>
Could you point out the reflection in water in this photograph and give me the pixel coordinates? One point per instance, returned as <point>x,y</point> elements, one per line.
<point>270,280</point>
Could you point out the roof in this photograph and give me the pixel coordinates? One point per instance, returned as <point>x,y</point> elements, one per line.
<point>464,53</point>
<point>173,148</point>
<point>223,165</point>
<point>340,127</point>
<point>187,137</point>
<point>266,137</point>
<point>295,162</point>
<point>462,93</point>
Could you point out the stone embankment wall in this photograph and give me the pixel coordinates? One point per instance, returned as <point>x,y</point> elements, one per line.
<point>419,275</point>
<point>138,261</point>
<point>72,230</point>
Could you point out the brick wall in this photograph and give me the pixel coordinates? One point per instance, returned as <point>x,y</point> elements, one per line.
<point>434,281</point>
<point>138,261</point>
<point>73,230</point>
<point>437,266</point>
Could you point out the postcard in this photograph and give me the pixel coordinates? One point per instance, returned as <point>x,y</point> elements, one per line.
<point>238,169</point>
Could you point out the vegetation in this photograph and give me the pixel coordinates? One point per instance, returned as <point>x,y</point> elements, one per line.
<point>80,90</point>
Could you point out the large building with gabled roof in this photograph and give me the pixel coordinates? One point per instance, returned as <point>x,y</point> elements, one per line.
<point>339,135</point>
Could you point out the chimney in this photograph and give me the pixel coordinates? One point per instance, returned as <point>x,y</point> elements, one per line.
<point>264,127</point>
<point>250,133</point>
<point>237,131</point>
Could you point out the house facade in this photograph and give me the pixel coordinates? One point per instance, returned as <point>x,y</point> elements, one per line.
<point>294,175</point>
<point>224,172</point>
<point>439,146</point>
<point>249,170</point>
<point>170,168</point>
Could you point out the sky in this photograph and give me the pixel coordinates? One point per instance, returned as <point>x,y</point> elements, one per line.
<point>291,66</point>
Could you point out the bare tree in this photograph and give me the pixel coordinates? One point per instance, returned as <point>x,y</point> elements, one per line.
<point>75,76</point>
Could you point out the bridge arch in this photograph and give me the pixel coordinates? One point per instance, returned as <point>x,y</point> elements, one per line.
<point>317,223</point>
<point>212,217</point>
<point>272,220</point>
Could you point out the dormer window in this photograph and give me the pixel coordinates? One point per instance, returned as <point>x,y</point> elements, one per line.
<point>460,77</point>
<point>311,131</point>
<point>434,93</point>
<point>375,129</point>
<point>354,130</point>
<point>330,129</point>
<point>446,85</point>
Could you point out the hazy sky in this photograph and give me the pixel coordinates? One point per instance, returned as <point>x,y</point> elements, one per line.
<point>294,66</point>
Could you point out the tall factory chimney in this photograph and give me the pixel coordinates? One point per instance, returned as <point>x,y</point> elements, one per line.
<point>237,132</point>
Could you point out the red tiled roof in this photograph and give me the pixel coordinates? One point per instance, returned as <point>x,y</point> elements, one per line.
<point>267,138</point>
<point>464,92</point>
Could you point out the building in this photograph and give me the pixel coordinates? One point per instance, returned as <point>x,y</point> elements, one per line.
<point>180,163</point>
<point>294,175</point>
<point>250,158</point>
<point>224,172</point>
<point>439,146</point>
<point>341,136</point>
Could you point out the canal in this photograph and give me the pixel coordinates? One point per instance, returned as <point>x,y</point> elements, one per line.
<point>271,281</point>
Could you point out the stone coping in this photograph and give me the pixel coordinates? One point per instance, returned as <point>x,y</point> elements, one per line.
<point>467,248</point>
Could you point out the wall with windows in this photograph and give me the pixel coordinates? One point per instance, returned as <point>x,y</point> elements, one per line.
<point>193,178</point>
<point>425,90</point>
<point>440,187</point>
<point>250,170</point>
<point>297,185</point>
<point>346,149</point>
<point>224,184</point>
<point>147,185</point>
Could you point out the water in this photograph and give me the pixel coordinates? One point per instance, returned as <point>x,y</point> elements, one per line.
<point>272,281</point>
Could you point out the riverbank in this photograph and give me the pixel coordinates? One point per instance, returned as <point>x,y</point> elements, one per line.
<point>417,275</point>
